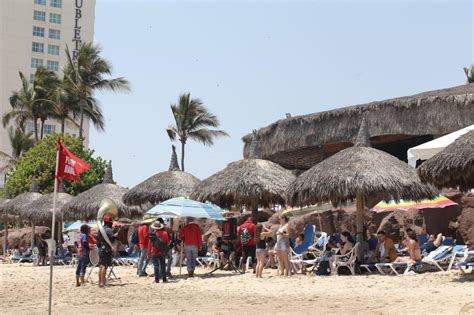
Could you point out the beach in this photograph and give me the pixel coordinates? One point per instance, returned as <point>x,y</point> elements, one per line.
<point>25,291</point>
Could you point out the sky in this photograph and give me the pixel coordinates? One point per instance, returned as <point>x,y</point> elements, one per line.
<point>251,62</point>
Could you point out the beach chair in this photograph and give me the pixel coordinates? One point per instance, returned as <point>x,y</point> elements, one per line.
<point>441,255</point>
<point>73,260</point>
<point>309,245</point>
<point>459,255</point>
<point>393,267</point>
<point>348,260</point>
<point>466,262</point>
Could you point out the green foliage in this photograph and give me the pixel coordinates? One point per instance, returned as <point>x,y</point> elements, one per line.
<point>40,161</point>
<point>469,71</point>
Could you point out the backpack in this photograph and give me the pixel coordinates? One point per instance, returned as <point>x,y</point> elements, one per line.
<point>158,242</point>
<point>134,237</point>
<point>245,235</point>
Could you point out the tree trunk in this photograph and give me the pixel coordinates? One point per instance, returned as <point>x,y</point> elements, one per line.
<point>42,129</point>
<point>81,115</point>
<point>62,126</point>
<point>36,129</point>
<point>183,144</point>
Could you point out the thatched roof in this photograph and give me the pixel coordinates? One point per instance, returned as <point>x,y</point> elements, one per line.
<point>85,205</point>
<point>358,169</point>
<point>42,208</point>
<point>246,182</point>
<point>162,186</point>
<point>20,205</point>
<point>300,141</point>
<point>453,167</point>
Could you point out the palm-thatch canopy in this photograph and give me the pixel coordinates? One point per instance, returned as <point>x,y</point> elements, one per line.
<point>300,142</point>
<point>42,208</point>
<point>20,205</point>
<point>251,182</point>
<point>358,170</point>
<point>453,167</point>
<point>86,205</point>
<point>162,186</point>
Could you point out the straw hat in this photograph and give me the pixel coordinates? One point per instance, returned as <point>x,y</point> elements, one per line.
<point>157,225</point>
<point>147,219</point>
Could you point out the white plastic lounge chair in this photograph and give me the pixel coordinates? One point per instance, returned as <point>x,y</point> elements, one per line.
<point>466,262</point>
<point>348,260</point>
<point>441,255</point>
<point>459,255</point>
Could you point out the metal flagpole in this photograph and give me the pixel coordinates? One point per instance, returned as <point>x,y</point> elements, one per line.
<point>53,244</point>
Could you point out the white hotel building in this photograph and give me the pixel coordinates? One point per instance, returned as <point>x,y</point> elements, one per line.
<point>33,33</point>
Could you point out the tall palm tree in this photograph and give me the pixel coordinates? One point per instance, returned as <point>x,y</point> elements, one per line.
<point>469,74</point>
<point>87,74</point>
<point>20,142</point>
<point>191,121</point>
<point>46,83</point>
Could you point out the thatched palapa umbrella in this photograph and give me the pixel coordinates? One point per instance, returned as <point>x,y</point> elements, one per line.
<point>357,173</point>
<point>453,167</point>
<point>252,182</point>
<point>20,205</point>
<point>86,205</point>
<point>42,208</point>
<point>162,186</point>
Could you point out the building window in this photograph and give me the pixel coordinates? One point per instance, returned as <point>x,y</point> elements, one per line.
<point>41,2</point>
<point>32,78</point>
<point>37,47</point>
<point>52,65</point>
<point>48,129</point>
<point>39,15</point>
<point>55,18</point>
<point>35,62</point>
<point>38,31</point>
<point>53,50</point>
<point>56,3</point>
<point>54,34</point>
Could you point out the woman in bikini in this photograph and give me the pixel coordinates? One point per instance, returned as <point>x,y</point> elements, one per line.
<point>283,246</point>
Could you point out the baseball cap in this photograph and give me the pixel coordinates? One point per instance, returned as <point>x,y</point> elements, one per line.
<point>107,219</point>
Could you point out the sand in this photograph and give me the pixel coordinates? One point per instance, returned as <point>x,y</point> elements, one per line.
<point>24,291</point>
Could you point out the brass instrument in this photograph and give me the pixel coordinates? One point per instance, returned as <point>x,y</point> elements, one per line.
<point>109,208</point>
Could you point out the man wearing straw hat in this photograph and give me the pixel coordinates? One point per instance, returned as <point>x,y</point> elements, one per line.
<point>143,241</point>
<point>158,249</point>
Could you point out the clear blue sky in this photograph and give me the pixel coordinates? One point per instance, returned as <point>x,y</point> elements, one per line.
<point>252,62</point>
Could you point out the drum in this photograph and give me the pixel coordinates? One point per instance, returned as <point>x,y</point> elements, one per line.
<point>94,256</point>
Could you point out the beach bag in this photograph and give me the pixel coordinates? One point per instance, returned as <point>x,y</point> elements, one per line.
<point>245,235</point>
<point>324,269</point>
<point>134,237</point>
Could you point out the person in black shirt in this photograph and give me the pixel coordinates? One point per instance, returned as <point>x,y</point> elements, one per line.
<point>105,251</point>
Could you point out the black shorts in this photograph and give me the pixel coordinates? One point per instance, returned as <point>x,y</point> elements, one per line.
<point>248,251</point>
<point>105,258</point>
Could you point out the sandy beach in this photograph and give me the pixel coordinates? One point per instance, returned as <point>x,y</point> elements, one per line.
<point>24,291</point>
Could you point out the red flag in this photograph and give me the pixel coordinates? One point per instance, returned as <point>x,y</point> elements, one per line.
<point>69,165</point>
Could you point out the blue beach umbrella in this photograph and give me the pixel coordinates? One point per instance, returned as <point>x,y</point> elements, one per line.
<point>184,207</point>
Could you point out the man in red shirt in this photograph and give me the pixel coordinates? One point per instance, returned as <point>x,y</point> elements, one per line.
<point>190,234</point>
<point>143,241</point>
<point>158,249</point>
<point>246,232</point>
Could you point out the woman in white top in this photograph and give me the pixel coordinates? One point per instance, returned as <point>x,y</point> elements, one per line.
<point>283,246</point>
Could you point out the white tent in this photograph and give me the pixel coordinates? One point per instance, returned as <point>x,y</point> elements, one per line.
<point>428,149</point>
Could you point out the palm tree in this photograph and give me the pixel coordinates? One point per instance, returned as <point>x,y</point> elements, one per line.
<point>33,102</point>
<point>191,121</point>
<point>20,142</point>
<point>87,74</point>
<point>46,83</point>
<point>469,74</point>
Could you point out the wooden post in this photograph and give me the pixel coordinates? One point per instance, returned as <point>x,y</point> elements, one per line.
<point>254,207</point>
<point>5,239</point>
<point>32,235</point>
<point>360,214</point>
